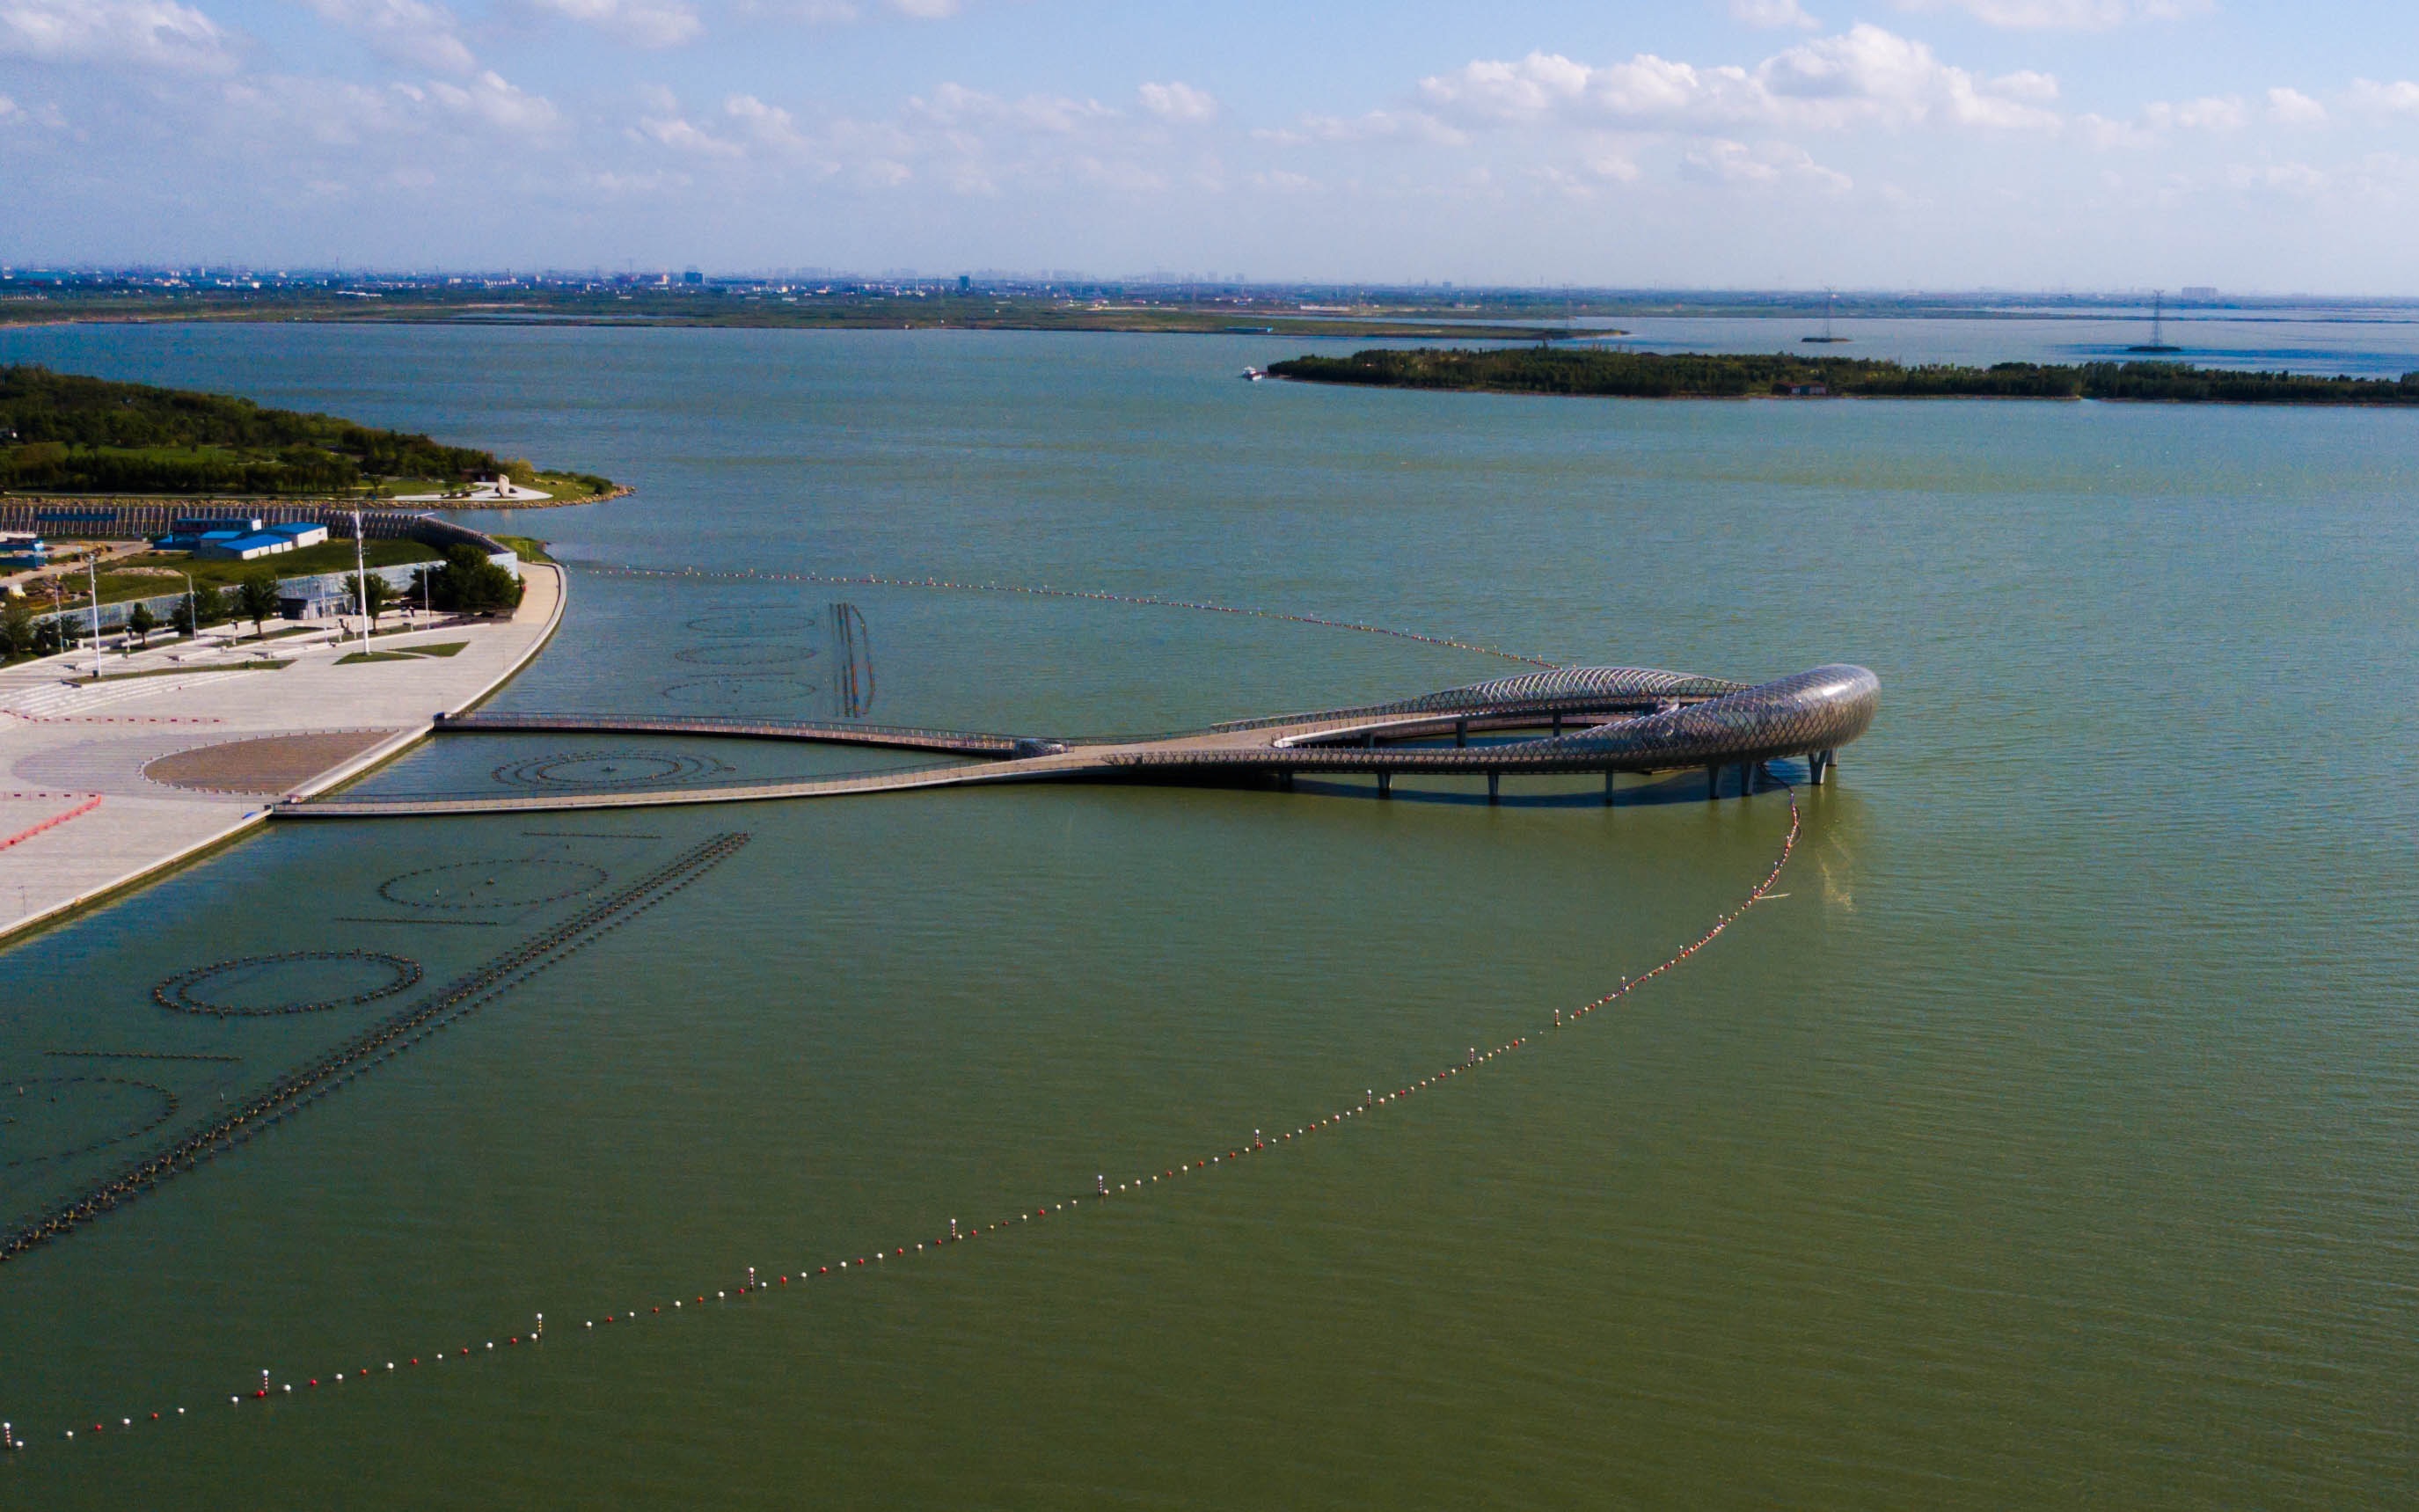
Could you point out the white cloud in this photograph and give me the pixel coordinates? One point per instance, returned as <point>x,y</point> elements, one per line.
<point>2026,85</point>
<point>1866,75</point>
<point>2062,15</point>
<point>1772,163</point>
<point>2299,179</point>
<point>2290,107</point>
<point>1772,14</point>
<point>1375,126</point>
<point>2366,96</point>
<point>489,99</point>
<point>2107,134</point>
<point>767,125</point>
<point>149,33</point>
<point>683,135</point>
<point>406,31</point>
<point>839,12</point>
<point>2161,120</point>
<point>2215,113</point>
<point>1174,102</point>
<point>954,105</point>
<point>639,22</point>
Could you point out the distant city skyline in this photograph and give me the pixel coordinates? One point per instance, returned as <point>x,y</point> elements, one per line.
<point>2091,144</point>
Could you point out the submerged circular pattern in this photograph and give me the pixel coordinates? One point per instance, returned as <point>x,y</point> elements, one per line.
<point>54,1117</point>
<point>744,653</point>
<point>609,770</point>
<point>760,623</point>
<point>507,882</point>
<point>731,686</point>
<point>217,988</point>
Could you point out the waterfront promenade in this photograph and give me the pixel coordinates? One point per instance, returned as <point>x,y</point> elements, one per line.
<point>103,784</point>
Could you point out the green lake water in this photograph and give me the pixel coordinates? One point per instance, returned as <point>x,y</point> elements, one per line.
<point>2049,1137</point>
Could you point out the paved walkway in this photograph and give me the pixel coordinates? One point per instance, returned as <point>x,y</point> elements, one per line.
<point>100,785</point>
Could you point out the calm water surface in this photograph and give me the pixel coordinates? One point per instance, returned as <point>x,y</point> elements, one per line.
<point>2051,1139</point>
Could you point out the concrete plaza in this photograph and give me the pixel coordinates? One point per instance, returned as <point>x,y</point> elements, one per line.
<point>103,783</point>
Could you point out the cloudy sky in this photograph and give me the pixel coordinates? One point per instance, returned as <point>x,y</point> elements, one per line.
<point>2088,144</point>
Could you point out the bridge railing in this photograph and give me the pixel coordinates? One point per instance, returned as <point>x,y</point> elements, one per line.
<point>709,725</point>
<point>507,792</point>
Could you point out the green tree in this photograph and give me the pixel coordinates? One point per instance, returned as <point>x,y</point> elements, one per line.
<point>16,627</point>
<point>369,594</point>
<point>255,598</point>
<point>139,622</point>
<point>216,606</point>
<point>469,583</point>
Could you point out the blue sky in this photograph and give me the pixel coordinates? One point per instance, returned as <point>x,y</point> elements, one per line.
<point>2032,144</point>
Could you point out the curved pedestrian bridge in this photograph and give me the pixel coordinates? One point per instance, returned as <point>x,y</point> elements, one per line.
<point>1558,722</point>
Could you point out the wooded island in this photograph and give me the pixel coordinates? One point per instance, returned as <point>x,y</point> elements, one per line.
<point>1741,376</point>
<point>62,433</point>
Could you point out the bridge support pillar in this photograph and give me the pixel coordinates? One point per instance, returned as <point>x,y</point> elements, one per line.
<point>1558,724</point>
<point>1285,780</point>
<point>1460,734</point>
<point>1747,779</point>
<point>1713,782</point>
<point>1818,767</point>
<point>1494,787</point>
<point>1385,784</point>
<point>1607,787</point>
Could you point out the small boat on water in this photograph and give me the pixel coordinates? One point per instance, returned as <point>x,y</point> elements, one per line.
<point>1253,375</point>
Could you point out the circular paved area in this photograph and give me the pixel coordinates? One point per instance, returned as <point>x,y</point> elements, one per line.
<point>267,764</point>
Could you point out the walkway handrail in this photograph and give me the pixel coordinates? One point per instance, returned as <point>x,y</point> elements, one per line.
<point>982,742</point>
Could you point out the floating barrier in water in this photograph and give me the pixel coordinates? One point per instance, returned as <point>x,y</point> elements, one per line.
<point>1371,1102</point>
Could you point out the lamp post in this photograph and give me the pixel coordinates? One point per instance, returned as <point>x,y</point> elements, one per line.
<point>92,575</point>
<point>361,579</point>
<point>192,614</point>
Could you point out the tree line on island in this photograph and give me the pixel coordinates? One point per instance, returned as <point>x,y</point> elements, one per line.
<point>467,582</point>
<point>1726,375</point>
<point>65,433</point>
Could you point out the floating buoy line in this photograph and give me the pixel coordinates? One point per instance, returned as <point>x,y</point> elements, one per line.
<point>1095,596</point>
<point>810,1274</point>
<point>291,1092</point>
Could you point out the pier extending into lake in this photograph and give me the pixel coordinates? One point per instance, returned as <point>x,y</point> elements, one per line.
<point>1557,722</point>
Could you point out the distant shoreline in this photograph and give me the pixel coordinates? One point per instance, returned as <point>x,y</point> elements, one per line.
<point>367,506</point>
<point>1626,374</point>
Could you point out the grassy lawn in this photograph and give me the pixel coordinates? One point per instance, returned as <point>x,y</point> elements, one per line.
<point>567,487</point>
<point>117,584</point>
<point>528,548</point>
<point>571,487</point>
<point>189,671</point>
<point>447,648</point>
